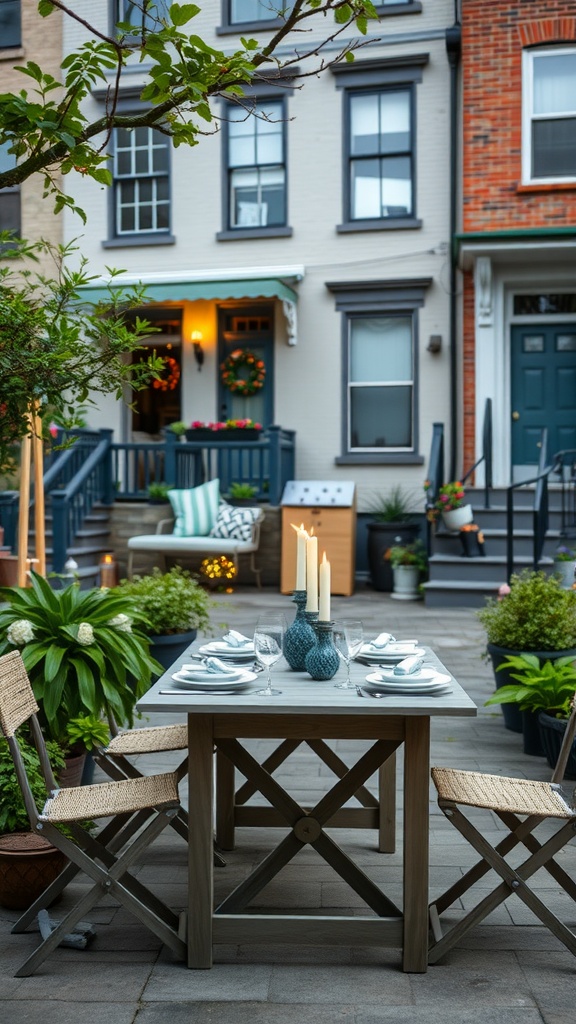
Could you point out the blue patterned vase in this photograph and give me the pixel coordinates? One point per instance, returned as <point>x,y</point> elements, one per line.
<point>300,636</point>
<point>322,660</point>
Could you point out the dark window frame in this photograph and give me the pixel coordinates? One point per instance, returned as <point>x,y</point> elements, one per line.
<point>390,74</point>
<point>162,236</point>
<point>367,299</point>
<point>15,200</point>
<point>228,27</point>
<point>15,41</point>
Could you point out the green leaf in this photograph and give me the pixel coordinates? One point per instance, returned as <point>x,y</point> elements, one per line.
<point>180,14</point>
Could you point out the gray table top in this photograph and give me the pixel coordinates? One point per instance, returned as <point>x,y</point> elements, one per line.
<point>301,693</point>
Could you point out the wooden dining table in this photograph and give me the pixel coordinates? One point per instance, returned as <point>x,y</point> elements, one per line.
<point>311,712</point>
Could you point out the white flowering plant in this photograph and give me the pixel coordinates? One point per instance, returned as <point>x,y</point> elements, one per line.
<point>82,651</point>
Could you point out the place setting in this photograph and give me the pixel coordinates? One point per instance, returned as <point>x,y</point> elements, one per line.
<point>410,676</point>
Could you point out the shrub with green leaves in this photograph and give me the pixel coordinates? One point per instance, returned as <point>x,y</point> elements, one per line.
<point>81,651</point>
<point>167,603</point>
<point>537,615</point>
<point>548,687</point>
<point>13,816</point>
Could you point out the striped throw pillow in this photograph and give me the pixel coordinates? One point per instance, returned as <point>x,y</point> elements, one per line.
<point>195,509</point>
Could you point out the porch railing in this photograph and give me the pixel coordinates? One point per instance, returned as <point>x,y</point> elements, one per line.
<point>486,456</point>
<point>539,512</point>
<point>564,466</point>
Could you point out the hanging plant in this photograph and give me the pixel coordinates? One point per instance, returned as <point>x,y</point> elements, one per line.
<point>235,381</point>
<point>169,377</point>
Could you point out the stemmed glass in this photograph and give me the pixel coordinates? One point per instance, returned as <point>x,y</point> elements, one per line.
<point>268,643</point>
<point>348,638</point>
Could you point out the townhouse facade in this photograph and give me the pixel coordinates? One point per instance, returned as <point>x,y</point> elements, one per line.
<point>517,240</point>
<point>311,230</point>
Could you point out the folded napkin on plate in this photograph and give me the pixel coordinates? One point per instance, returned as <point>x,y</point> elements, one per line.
<point>212,665</point>
<point>235,639</point>
<point>381,641</point>
<point>408,666</point>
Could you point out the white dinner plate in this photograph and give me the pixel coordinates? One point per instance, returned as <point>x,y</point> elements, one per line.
<point>416,690</point>
<point>404,647</point>
<point>228,653</point>
<point>426,678</point>
<point>391,657</point>
<point>209,687</point>
<point>200,673</point>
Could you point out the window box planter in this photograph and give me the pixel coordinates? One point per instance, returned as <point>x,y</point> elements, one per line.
<point>233,434</point>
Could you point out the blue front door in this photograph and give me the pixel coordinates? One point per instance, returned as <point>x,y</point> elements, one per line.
<point>249,328</point>
<point>543,392</point>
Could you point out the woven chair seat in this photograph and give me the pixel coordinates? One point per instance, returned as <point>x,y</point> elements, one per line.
<point>111,798</point>
<point>155,739</point>
<point>500,793</point>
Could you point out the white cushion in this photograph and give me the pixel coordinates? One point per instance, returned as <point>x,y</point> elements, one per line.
<point>195,509</point>
<point>166,543</point>
<point>236,522</point>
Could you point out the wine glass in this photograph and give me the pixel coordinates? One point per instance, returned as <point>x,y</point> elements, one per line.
<point>348,638</point>
<point>268,643</point>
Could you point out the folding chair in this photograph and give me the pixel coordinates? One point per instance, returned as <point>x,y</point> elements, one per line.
<point>139,809</point>
<point>521,805</point>
<point>114,760</point>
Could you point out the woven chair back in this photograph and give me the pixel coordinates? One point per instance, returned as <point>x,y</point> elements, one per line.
<point>17,701</point>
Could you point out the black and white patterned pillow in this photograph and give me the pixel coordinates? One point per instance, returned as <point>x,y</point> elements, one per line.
<point>236,523</point>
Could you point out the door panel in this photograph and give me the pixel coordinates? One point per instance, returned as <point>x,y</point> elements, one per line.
<point>247,327</point>
<point>543,392</point>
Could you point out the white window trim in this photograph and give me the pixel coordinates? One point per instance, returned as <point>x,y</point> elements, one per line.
<point>528,57</point>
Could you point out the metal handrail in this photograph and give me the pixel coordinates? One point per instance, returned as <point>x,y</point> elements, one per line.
<point>486,456</point>
<point>435,476</point>
<point>540,508</point>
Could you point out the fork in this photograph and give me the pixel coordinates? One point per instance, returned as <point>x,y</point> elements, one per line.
<point>364,693</point>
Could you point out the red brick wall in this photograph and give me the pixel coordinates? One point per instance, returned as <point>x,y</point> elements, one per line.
<point>494,33</point>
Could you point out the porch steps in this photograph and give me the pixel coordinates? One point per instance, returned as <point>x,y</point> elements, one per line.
<point>89,544</point>
<point>456,580</point>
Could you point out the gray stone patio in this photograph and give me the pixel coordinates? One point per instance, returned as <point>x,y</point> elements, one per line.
<point>507,970</point>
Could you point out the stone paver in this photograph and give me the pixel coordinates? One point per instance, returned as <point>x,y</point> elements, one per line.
<point>508,970</point>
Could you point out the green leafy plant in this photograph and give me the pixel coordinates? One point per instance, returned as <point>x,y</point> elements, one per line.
<point>564,554</point>
<point>548,687</point>
<point>238,490</point>
<point>413,554</point>
<point>537,615</point>
<point>450,496</point>
<point>395,507</point>
<point>81,651</point>
<point>178,427</point>
<point>87,732</point>
<point>159,491</point>
<point>167,603</point>
<point>13,815</point>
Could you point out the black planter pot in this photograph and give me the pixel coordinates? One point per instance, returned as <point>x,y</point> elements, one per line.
<point>381,537</point>
<point>511,713</point>
<point>232,434</point>
<point>551,735</point>
<point>531,734</point>
<point>168,648</point>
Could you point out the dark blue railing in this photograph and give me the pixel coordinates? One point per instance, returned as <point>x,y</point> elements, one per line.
<point>539,512</point>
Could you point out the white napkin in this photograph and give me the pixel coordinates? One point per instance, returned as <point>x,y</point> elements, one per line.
<point>215,665</point>
<point>381,641</point>
<point>235,639</point>
<point>409,666</point>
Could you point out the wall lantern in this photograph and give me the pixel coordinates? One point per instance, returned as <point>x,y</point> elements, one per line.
<point>198,350</point>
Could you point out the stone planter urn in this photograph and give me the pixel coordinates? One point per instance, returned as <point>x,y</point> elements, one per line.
<point>566,571</point>
<point>406,580</point>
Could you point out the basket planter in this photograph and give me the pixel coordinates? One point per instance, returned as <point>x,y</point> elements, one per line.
<point>551,735</point>
<point>454,519</point>
<point>28,865</point>
<point>232,434</point>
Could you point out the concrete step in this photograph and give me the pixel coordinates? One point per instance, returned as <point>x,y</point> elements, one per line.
<point>446,543</point>
<point>523,496</point>
<point>460,594</point>
<point>459,568</point>
<point>494,518</point>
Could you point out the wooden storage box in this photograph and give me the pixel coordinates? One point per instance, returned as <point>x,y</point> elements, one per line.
<point>333,521</point>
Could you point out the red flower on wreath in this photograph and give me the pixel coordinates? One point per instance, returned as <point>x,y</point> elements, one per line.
<point>172,371</point>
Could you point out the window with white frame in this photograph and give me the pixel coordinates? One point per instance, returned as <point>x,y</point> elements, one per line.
<point>9,195</point>
<point>380,385</point>
<point>10,24</point>
<point>141,181</point>
<point>380,154</point>
<point>549,115</point>
<point>141,15</point>
<point>256,165</point>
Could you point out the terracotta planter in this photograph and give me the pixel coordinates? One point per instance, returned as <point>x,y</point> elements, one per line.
<point>28,865</point>
<point>454,519</point>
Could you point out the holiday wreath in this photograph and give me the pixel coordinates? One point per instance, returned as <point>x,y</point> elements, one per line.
<point>238,384</point>
<point>170,376</point>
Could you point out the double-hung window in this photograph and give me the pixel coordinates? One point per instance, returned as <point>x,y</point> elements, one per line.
<point>9,196</point>
<point>381,160</point>
<point>380,386</point>
<point>10,24</point>
<point>141,182</point>
<point>256,166</point>
<point>549,115</point>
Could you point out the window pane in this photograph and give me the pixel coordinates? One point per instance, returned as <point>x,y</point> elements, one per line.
<point>554,148</point>
<point>10,32</point>
<point>145,213</point>
<point>566,343</point>
<point>555,83</point>
<point>381,417</point>
<point>7,160</point>
<point>242,151</point>
<point>365,124</point>
<point>10,211</point>
<point>163,217</point>
<point>366,189</point>
<point>159,156</point>
<point>123,163</point>
<point>256,10</point>
<point>395,122</point>
<point>131,11</point>
<point>381,349</point>
<point>397,186</point>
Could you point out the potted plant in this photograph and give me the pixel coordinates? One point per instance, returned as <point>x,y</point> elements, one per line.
<point>81,651</point>
<point>408,562</point>
<point>224,430</point>
<point>449,504</point>
<point>544,692</point>
<point>170,607</point>
<point>178,427</point>
<point>158,493</point>
<point>241,494</point>
<point>28,863</point>
<point>565,564</point>
<point>392,523</point>
<point>536,617</point>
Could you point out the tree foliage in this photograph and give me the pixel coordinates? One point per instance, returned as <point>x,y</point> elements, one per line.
<point>57,350</point>
<point>49,132</point>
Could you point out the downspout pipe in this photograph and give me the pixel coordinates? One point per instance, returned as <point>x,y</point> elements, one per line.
<point>453,52</point>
